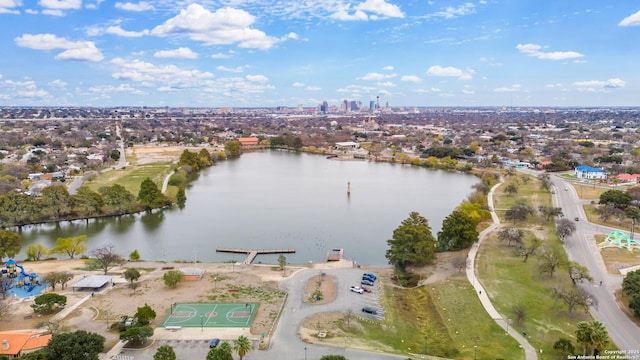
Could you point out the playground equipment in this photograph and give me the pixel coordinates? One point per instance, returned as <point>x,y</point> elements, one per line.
<point>619,239</point>
<point>22,279</point>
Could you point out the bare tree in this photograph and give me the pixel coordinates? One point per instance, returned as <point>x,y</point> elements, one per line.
<point>107,258</point>
<point>519,314</point>
<point>564,228</point>
<point>527,250</point>
<point>578,273</point>
<point>574,297</point>
<point>519,211</point>
<point>549,261</point>
<point>549,211</point>
<point>511,235</point>
<point>459,262</point>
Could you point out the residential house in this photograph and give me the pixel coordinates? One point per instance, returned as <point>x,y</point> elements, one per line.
<point>17,343</point>
<point>249,141</point>
<point>590,173</point>
<point>628,178</point>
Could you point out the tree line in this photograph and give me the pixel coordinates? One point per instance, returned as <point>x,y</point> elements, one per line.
<point>413,243</point>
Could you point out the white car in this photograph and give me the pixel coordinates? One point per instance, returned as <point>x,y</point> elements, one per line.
<point>357,289</point>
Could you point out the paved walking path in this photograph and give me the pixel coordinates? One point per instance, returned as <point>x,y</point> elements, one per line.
<point>530,352</point>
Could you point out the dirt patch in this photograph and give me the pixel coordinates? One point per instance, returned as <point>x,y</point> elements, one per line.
<point>329,329</point>
<point>320,289</point>
<point>154,154</point>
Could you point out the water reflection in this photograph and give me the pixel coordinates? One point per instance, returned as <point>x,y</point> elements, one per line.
<point>277,200</point>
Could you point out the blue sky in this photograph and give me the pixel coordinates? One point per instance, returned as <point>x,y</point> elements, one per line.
<point>250,53</point>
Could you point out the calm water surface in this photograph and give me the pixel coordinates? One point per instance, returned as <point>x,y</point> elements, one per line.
<point>270,200</point>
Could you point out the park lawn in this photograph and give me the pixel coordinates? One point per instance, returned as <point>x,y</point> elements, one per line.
<point>446,316</point>
<point>132,176</point>
<point>588,192</point>
<point>509,281</point>
<point>593,216</point>
<point>530,191</point>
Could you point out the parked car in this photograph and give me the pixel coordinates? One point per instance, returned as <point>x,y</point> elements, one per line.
<point>357,289</point>
<point>214,343</point>
<point>366,282</point>
<point>371,276</point>
<point>369,310</point>
<point>366,289</point>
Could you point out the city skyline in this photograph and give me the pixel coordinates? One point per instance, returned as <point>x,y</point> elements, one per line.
<point>283,53</point>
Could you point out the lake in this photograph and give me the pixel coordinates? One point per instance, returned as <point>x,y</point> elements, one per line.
<point>275,200</point>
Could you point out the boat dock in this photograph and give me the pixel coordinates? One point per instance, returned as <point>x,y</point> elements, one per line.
<point>251,254</point>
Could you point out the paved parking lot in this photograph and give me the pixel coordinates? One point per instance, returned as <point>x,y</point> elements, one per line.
<point>359,301</point>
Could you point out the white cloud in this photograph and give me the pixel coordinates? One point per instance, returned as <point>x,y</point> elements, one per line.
<point>454,12</point>
<point>599,86</point>
<point>61,4</point>
<point>225,26</point>
<point>512,88</point>
<point>137,7</point>
<point>53,12</point>
<point>182,53</point>
<point>238,69</point>
<point>378,9</point>
<point>381,7</point>
<point>6,6</point>
<point>376,76</point>
<point>257,78</point>
<point>388,68</point>
<point>313,88</point>
<point>58,84</point>
<point>170,75</point>
<point>386,84</point>
<point>410,78</point>
<point>73,50</point>
<point>631,20</point>
<point>297,84</point>
<point>118,31</point>
<point>122,88</point>
<point>345,16</point>
<point>450,71</point>
<point>468,92</point>
<point>33,93</point>
<point>534,50</point>
<point>222,55</point>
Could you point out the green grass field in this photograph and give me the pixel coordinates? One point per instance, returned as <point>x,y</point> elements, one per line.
<point>509,281</point>
<point>446,316</point>
<point>132,176</point>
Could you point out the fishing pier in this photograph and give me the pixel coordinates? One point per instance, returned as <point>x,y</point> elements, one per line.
<point>251,254</point>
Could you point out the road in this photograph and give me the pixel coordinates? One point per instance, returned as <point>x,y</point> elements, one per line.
<point>122,162</point>
<point>581,248</point>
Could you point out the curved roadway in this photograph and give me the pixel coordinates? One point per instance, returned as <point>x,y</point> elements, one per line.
<point>581,248</point>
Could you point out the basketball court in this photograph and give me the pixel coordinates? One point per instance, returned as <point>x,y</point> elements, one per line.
<point>210,315</point>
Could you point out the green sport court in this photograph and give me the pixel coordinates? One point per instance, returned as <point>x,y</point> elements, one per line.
<point>210,315</point>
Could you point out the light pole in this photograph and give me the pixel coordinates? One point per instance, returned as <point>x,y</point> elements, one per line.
<point>215,282</point>
<point>475,350</point>
<point>305,353</point>
<point>201,323</point>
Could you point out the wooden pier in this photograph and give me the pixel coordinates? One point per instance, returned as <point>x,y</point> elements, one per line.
<point>251,254</point>
<point>336,254</point>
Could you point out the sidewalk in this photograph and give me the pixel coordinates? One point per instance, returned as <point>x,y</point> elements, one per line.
<point>530,352</point>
